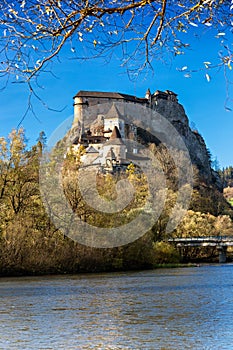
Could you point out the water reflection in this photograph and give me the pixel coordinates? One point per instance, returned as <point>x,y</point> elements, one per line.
<point>189,308</point>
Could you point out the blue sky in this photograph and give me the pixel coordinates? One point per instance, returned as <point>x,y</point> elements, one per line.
<point>203,101</point>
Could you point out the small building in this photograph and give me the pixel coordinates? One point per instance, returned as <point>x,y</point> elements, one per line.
<point>112,155</point>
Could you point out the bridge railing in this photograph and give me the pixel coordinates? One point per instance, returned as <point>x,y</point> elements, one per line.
<point>202,239</point>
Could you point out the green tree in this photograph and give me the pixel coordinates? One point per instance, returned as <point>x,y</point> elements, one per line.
<point>226,175</point>
<point>41,142</point>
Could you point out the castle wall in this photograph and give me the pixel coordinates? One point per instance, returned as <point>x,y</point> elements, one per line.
<point>163,104</point>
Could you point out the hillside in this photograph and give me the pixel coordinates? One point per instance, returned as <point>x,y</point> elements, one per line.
<point>31,241</point>
<point>226,176</point>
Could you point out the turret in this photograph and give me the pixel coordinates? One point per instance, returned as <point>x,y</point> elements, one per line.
<point>148,95</point>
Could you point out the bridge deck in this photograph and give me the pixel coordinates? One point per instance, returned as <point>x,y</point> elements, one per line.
<point>211,241</point>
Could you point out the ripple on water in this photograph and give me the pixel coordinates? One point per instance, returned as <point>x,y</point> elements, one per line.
<point>189,308</point>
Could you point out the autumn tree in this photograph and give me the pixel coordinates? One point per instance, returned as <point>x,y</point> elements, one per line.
<point>19,183</point>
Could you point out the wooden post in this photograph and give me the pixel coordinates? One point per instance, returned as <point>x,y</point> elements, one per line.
<point>222,251</point>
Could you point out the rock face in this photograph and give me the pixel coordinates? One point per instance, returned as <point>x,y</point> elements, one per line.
<point>195,143</point>
<point>162,104</point>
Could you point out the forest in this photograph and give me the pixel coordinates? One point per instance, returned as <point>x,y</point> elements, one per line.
<point>30,243</point>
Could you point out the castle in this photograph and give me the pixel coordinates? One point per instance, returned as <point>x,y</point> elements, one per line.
<point>110,138</point>
<point>86,99</point>
<point>104,121</point>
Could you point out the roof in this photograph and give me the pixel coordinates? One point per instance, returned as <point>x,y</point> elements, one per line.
<point>164,94</point>
<point>112,95</point>
<point>90,138</point>
<point>91,149</point>
<point>113,113</point>
<point>115,133</point>
<point>115,138</point>
<point>135,157</point>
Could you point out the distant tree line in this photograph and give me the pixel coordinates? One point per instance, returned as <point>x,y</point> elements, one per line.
<point>226,175</point>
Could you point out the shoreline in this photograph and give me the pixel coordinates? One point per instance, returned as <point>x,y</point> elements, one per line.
<point>60,273</point>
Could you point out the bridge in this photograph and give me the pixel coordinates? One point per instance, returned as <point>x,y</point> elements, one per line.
<point>220,242</point>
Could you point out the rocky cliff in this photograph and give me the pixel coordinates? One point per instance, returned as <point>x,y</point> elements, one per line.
<point>89,104</point>
<point>195,143</point>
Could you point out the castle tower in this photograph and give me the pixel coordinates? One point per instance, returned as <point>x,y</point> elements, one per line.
<point>113,118</point>
<point>78,106</point>
<point>80,109</point>
<point>115,144</point>
<point>148,96</point>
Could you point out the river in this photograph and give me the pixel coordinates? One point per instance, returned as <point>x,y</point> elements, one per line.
<point>183,308</point>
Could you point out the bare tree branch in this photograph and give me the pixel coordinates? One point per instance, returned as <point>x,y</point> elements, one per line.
<point>34,32</point>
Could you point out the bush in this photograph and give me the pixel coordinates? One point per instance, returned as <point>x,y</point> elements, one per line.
<point>165,253</point>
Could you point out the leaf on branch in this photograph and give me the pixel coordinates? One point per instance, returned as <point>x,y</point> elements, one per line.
<point>180,26</point>
<point>220,35</point>
<point>47,10</point>
<point>13,12</point>
<point>207,77</point>
<point>23,4</point>
<point>177,51</point>
<point>95,43</point>
<point>207,64</point>
<point>80,36</point>
<point>184,68</point>
<point>193,24</point>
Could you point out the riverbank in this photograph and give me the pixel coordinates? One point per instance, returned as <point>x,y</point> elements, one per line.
<point>66,273</point>
<point>171,265</point>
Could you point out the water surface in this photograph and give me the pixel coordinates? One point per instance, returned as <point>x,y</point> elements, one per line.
<point>185,308</point>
